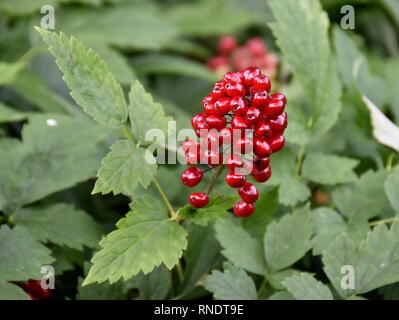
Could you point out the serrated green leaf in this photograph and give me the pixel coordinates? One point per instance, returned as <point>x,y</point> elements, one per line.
<point>21,256</point>
<point>391,186</point>
<point>301,29</point>
<point>266,208</point>
<point>143,240</point>
<point>9,291</point>
<point>276,279</point>
<point>57,223</point>
<point>92,86</point>
<point>365,198</point>
<point>281,295</point>
<point>232,284</point>
<point>328,169</point>
<point>287,240</point>
<point>217,207</point>
<point>306,287</point>
<point>9,71</point>
<point>124,168</point>
<point>46,161</point>
<point>145,114</point>
<point>239,247</point>
<point>375,260</point>
<point>170,64</point>
<point>66,259</point>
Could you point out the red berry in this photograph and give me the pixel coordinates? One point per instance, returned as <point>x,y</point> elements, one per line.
<point>211,141</point>
<point>234,161</point>
<point>208,108</point>
<point>235,180</point>
<point>238,105</point>
<point>212,157</point>
<point>263,130</point>
<point>222,106</point>
<point>197,118</point>
<point>234,89</point>
<point>261,148</point>
<point>218,90</point>
<point>192,157</point>
<point>280,123</point>
<point>262,175</point>
<point>243,209</point>
<point>260,98</point>
<point>261,163</point>
<point>216,122</point>
<point>276,143</point>
<point>248,193</point>
<point>198,199</point>
<point>249,74</point>
<point>279,96</point>
<point>225,135</point>
<point>216,63</point>
<point>239,122</point>
<point>190,145</point>
<point>253,115</point>
<point>274,108</point>
<point>256,46</point>
<point>243,145</point>
<point>192,176</point>
<point>231,77</point>
<point>261,82</point>
<point>227,44</point>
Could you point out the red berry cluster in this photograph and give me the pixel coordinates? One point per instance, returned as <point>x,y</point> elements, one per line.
<point>233,57</point>
<point>240,126</point>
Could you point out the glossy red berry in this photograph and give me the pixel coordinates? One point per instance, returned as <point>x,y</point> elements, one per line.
<point>274,108</point>
<point>263,130</point>
<point>190,145</point>
<point>243,145</point>
<point>211,141</point>
<point>239,122</point>
<point>260,98</point>
<point>222,106</point>
<point>248,192</point>
<point>216,122</point>
<point>261,163</point>
<point>212,157</point>
<point>262,175</point>
<point>234,161</point>
<point>234,89</point>
<point>253,115</point>
<point>218,90</point>
<point>280,123</point>
<point>198,199</point>
<point>231,77</point>
<point>192,176</point>
<point>262,148</point>
<point>243,209</point>
<point>276,143</point>
<point>35,290</point>
<point>197,118</point>
<point>261,82</point>
<point>235,180</point>
<point>239,105</point>
<point>279,96</point>
<point>249,74</point>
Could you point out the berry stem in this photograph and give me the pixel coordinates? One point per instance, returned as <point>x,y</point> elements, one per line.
<point>299,161</point>
<point>215,176</point>
<point>173,214</point>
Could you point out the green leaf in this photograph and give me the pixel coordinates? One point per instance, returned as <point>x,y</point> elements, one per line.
<point>375,260</point>
<point>9,291</point>
<point>328,169</point>
<point>306,287</point>
<point>46,162</point>
<point>276,279</point>
<point>124,168</point>
<point>301,29</point>
<point>21,256</point>
<point>239,247</point>
<point>170,64</point>
<point>287,240</point>
<point>291,190</point>
<point>281,295</point>
<point>57,223</point>
<point>24,7</point>
<point>145,114</point>
<point>365,198</point>
<point>232,284</point>
<point>92,86</point>
<point>8,114</point>
<point>266,208</point>
<point>143,240</point>
<point>202,254</point>
<point>9,71</point>
<point>153,286</point>
<point>391,186</point>
<point>328,225</point>
<point>217,207</point>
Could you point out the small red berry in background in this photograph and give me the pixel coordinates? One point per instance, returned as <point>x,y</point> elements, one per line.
<point>35,290</point>
<point>233,57</point>
<point>242,124</point>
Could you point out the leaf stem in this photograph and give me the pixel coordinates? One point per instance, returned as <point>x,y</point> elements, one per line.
<point>262,286</point>
<point>388,166</point>
<point>173,214</point>
<point>180,273</point>
<point>127,133</point>
<point>215,177</point>
<point>387,220</point>
<point>299,161</point>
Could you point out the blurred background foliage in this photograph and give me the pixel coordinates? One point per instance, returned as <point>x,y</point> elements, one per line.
<point>165,44</point>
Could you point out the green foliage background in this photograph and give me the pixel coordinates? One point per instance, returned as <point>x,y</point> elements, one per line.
<point>117,68</point>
